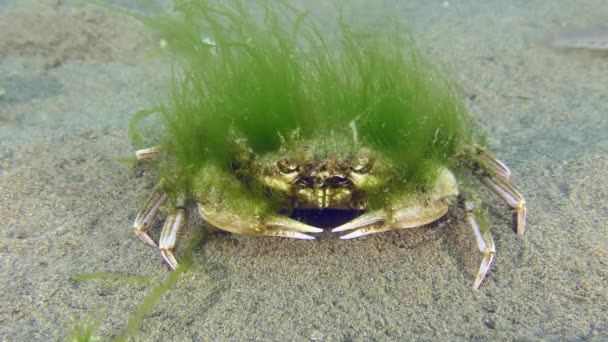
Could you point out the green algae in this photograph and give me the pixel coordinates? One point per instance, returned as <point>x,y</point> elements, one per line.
<point>85,330</point>
<point>258,71</point>
<point>112,276</point>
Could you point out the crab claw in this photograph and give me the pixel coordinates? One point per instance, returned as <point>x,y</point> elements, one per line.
<point>406,217</point>
<point>406,213</point>
<point>375,222</point>
<point>372,229</point>
<point>290,224</point>
<point>288,234</point>
<point>274,225</point>
<point>362,221</point>
<point>286,227</point>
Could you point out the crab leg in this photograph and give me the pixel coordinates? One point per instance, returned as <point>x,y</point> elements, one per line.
<point>496,164</point>
<point>147,215</point>
<point>497,180</point>
<point>168,236</point>
<point>148,153</point>
<point>485,244</point>
<point>274,225</point>
<point>511,196</point>
<point>507,192</point>
<point>380,221</point>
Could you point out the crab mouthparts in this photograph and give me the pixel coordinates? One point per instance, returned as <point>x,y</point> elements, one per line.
<point>323,198</point>
<point>324,179</point>
<point>325,218</point>
<point>322,189</point>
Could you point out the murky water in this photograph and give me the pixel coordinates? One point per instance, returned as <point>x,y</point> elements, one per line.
<point>71,75</point>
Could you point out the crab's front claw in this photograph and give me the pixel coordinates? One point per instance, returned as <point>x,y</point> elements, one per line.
<point>406,217</point>
<point>408,212</point>
<point>273,225</point>
<point>286,227</point>
<point>366,223</point>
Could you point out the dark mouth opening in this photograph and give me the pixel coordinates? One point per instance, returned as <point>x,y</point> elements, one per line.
<point>325,218</point>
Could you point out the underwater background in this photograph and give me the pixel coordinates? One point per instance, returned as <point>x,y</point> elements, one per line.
<point>533,76</point>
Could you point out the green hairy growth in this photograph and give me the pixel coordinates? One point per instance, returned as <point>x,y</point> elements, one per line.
<point>260,70</point>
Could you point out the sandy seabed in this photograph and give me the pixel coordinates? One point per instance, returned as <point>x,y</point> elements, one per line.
<point>71,75</point>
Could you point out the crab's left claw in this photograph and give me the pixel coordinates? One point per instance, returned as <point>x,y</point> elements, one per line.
<point>408,213</point>
<point>274,225</point>
<point>407,217</point>
<point>365,220</point>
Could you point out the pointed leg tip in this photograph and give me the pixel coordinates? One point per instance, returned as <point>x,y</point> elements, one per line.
<point>519,216</point>
<point>170,260</point>
<point>143,236</point>
<point>484,270</point>
<point>479,281</point>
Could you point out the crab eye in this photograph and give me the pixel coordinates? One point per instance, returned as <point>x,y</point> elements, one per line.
<point>337,181</point>
<point>285,166</point>
<point>364,164</point>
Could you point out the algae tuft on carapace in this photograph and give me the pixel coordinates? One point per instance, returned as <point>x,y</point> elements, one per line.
<point>270,111</point>
<point>261,70</point>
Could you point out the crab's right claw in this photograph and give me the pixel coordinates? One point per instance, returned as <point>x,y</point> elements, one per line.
<point>407,213</point>
<point>274,225</point>
<point>366,224</point>
<point>407,217</point>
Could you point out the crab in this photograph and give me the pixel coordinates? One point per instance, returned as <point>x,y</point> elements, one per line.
<point>310,180</point>
<point>265,118</point>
